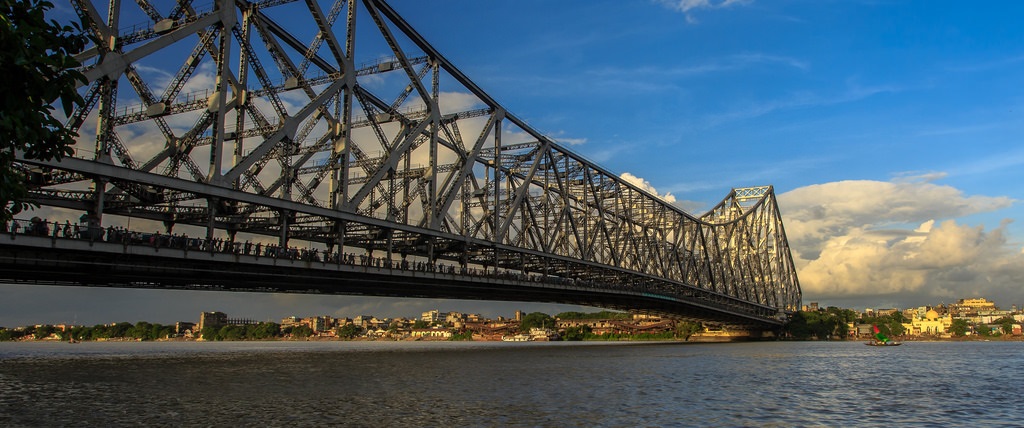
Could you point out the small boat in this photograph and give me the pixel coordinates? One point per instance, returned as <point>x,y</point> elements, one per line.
<point>889,343</point>
<point>881,340</point>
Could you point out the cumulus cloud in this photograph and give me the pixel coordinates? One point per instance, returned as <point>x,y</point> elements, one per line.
<point>647,187</point>
<point>899,241</point>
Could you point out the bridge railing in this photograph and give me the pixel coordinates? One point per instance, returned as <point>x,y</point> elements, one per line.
<point>67,230</point>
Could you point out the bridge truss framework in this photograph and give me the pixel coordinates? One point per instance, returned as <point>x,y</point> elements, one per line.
<point>365,138</point>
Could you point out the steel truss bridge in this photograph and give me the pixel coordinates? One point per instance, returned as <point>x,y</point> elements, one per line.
<point>338,126</point>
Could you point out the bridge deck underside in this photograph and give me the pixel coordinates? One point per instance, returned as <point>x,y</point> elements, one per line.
<point>40,260</point>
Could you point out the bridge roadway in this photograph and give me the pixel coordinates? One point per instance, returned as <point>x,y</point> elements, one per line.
<point>174,262</point>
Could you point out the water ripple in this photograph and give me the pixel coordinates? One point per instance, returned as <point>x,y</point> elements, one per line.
<point>493,384</point>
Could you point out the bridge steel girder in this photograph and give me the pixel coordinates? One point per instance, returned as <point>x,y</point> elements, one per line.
<point>355,144</point>
<point>73,262</point>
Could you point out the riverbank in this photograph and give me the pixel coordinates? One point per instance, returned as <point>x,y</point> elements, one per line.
<point>692,339</point>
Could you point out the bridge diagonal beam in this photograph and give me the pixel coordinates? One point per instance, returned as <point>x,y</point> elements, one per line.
<point>374,157</point>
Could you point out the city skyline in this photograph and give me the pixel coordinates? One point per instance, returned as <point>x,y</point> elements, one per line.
<point>67,311</point>
<point>889,130</point>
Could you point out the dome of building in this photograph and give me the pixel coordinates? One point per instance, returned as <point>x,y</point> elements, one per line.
<point>931,315</point>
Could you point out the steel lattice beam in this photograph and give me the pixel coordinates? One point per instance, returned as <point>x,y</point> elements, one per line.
<point>382,167</point>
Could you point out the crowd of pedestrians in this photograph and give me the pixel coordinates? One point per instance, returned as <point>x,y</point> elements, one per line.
<point>116,234</point>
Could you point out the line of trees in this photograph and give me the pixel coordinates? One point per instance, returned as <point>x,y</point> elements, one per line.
<point>143,330</point>
<point>834,322</point>
<point>260,331</point>
<point>123,330</point>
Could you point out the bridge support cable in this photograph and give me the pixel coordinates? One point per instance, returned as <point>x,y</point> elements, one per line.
<point>364,153</point>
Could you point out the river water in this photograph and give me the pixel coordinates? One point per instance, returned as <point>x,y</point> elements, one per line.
<point>385,384</point>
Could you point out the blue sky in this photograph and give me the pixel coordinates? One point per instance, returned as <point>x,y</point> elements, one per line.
<point>891,131</point>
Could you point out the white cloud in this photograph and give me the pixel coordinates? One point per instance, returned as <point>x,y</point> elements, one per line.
<point>646,186</point>
<point>571,141</point>
<point>872,240</point>
<point>797,100</point>
<point>686,6</point>
<point>735,62</point>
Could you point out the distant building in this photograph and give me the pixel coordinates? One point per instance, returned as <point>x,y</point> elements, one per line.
<point>319,324</point>
<point>930,323</point>
<point>292,321</point>
<point>220,319</point>
<point>212,319</point>
<point>972,306</point>
<point>863,330</point>
<point>379,323</point>
<point>455,318</point>
<point>364,321</point>
<point>885,312</point>
<point>431,333</point>
<point>431,316</point>
<point>616,326</point>
<point>181,327</point>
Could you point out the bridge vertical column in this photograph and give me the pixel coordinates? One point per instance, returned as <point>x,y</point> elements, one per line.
<point>241,95</point>
<point>108,86</point>
<point>218,102</point>
<point>104,127</point>
<point>496,208</point>
<point>432,196</point>
<point>390,247</point>
<point>94,217</point>
<point>464,258</point>
<point>497,257</point>
<point>430,249</point>
<point>284,215</point>
<point>339,236</point>
<point>343,142</point>
<point>211,221</point>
